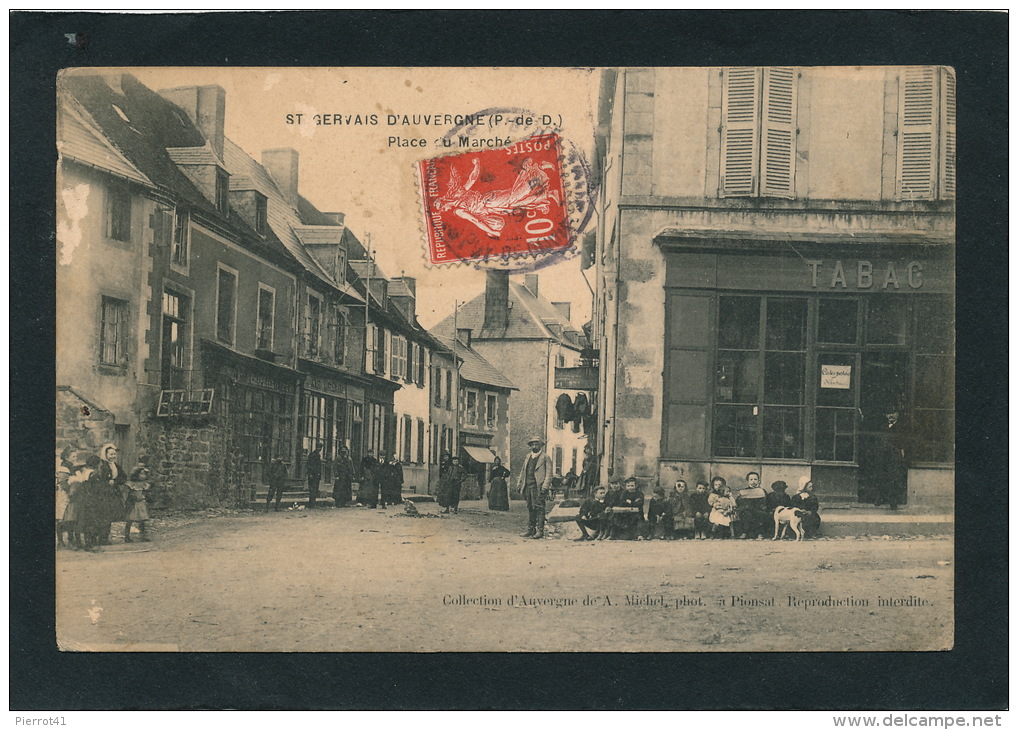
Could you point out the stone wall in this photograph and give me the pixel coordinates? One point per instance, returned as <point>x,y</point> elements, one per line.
<point>80,424</point>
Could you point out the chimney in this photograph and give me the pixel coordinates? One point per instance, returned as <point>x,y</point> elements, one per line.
<point>463,335</point>
<point>337,218</point>
<point>496,300</point>
<point>284,167</point>
<point>530,281</point>
<point>411,283</point>
<point>206,106</point>
<point>564,309</point>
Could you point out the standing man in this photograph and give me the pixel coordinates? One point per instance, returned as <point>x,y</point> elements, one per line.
<point>313,467</point>
<point>391,481</point>
<point>276,474</point>
<point>892,460</point>
<point>341,488</point>
<point>367,492</point>
<point>534,482</point>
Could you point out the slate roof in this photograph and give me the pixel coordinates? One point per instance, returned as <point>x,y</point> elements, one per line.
<point>475,368</point>
<point>79,139</point>
<point>530,318</point>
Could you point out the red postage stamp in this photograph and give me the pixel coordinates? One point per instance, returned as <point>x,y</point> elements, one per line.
<point>495,203</point>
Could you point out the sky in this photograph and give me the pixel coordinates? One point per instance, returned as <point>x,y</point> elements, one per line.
<point>355,169</point>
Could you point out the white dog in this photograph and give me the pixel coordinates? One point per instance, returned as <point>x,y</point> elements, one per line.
<point>785,517</point>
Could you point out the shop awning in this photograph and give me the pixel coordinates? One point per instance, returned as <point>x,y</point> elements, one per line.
<point>480,454</point>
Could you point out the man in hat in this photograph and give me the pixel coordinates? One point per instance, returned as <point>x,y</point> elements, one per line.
<point>534,482</point>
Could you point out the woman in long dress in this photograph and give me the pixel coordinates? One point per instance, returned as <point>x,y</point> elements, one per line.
<point>498,488</point>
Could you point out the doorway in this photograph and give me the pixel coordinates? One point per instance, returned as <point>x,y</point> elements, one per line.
<point>884,388</point>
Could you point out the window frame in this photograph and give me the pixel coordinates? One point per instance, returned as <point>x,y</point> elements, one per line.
<point>491,411</point>
<point>180,241</point>
<point>119,211</point>
<point>184,318</point>
<point>259,345</point>
<point>121,311</point>
<point>222,268</point>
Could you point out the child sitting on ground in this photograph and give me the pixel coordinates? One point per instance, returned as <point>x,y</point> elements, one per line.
<point>722,512</point>
<point>657,515</point>
<point>806,500</point>
<point>627,516</point>
<point>680,512</point>
<point>592,516</point>
<point>700,508</point>
<point>611,499</point>
<point>136,506</point>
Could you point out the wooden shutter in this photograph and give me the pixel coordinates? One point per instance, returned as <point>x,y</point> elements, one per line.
<point>777,127</point>
<point>916,140</point>
<point>740,130</point>
<point>948,127</point>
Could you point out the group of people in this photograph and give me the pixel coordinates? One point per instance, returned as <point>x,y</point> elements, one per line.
<point>617,513</point>
<point>93,492</point>
<point>380,480</point>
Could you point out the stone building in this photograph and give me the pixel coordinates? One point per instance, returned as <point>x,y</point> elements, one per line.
<point>512,323</point>
<point>775,271</point>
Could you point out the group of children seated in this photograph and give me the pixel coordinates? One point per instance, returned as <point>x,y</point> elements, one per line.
<point>617,513</point>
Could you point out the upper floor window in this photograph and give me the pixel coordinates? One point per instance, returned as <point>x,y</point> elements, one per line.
<point>470,407</point>
<point>261,213</point>
<point>312,325</point>
<point>377,349</point>
<point>175,337</point>
<point>113,332</point>
<point>926,134</point>
<point>181,237</point>
<point>226,305</point>
<point>342,332</point>
<point>758,131</point>
<point>448,390</point>
<point>436,385</point>
<point>222,191</point>
<point>118,211</point>
<point>398,359</point>
<point>490,410</point>
<point>266,317</point>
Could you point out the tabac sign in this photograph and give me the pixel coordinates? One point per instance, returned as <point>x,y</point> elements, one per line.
<point>863,275</point>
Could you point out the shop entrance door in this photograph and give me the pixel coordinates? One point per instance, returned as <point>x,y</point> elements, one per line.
<point>883,389</point>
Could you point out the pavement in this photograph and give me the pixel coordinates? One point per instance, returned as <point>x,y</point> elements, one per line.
<point>358,579</point>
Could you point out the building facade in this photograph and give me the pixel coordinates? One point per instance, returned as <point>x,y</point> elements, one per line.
<point>775,273</point>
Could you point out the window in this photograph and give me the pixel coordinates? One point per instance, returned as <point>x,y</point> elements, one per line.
<point>470,407</point>
<point>118,211</point>
<point>421,430</point>
<point>181,237</point>
<point>412,351</point>
<point>558,459</point>
<point>926,134</point>
<point>933,422</point>
<point>222,191</point>
<point>371,348</point>
<point>379,352</point>
<point>491,410</point>
<point>313,325</point>
<point>261,213</point>
<point>421,365</point>
<point>448,390</point>
<point>398,359</point>
<point>758,132</point>
<point>175,355</point>
<point>760,378</point>
<point>342,331</point>
<point>436,385</point>
<point>408,432</point>
<point>113,332</point>
<point>266,317</point>
<point>435,446</point>
<point>226,305</point>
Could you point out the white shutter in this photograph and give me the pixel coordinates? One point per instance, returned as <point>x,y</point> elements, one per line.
<point>948,126</point>
<point>740,125</point>
<point>916,120</point>
<point>777,163</point>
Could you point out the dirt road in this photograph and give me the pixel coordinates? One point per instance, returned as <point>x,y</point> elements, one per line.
<point>372,580</point>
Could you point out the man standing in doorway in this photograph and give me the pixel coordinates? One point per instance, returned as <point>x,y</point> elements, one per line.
<point>534,482</point>
<point>892,460</point>
<point>313,467</point>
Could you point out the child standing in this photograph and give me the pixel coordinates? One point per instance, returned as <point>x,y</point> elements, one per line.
<point>700,508</point>
<point>136,505</point>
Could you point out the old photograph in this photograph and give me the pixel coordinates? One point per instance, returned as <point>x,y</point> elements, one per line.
<point>635,359</point>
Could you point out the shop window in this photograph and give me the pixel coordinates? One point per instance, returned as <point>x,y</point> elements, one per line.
<point>262,422</point>
<point>926,134</point>
<point>118,211</point>
<point>266,318</point>
<point>758,132</point>
<point>113,332</point>
<point>838,321</point>
<point>760,392</point>
<point>933,419</point>
<point>886,321</point>
<point>226,305</point>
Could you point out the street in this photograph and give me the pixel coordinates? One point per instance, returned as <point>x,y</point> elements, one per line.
<point>372,580</point>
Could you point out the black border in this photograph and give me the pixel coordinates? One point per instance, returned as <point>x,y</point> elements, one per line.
<point>973,676</point>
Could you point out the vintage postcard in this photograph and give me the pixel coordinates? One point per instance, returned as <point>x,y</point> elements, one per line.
<point>505,359</point>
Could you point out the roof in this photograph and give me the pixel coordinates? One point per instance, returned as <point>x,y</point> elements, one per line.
<point>530,318</point>
<point>194,155</point>
<point>475,368</point>
<point>79,139</point>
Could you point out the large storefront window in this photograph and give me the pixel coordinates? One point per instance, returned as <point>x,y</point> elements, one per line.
<point>263,427</point>
<point>761,377</point>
